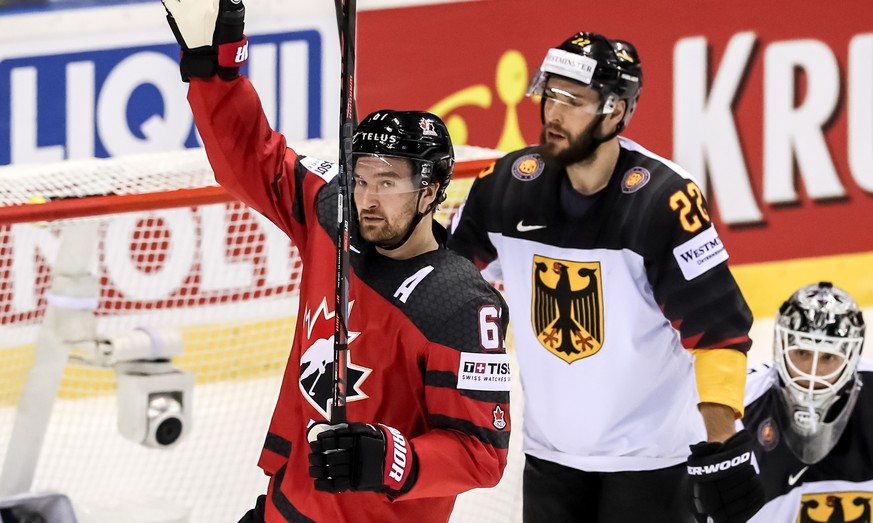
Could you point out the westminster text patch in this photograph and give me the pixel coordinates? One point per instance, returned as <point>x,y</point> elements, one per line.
<point>700,254</point>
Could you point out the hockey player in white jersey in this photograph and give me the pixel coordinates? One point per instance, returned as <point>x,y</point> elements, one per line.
<point>630,330</point>
<point>811,412</point>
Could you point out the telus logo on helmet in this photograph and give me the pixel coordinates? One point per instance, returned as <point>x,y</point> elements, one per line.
<point>383,138</point>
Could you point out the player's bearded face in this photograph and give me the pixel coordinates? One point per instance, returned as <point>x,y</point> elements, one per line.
<point>385,197</point>
<point>570,121</point>
<point>560,147</point>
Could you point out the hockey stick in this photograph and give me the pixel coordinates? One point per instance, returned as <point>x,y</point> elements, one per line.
<point>340,20</point>
<point>346,16</point>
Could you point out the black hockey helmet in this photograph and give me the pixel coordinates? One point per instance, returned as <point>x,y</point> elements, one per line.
<point>611,67</point>
<point>418,136</point>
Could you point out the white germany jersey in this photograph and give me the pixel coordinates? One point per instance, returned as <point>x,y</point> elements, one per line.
<point>603,305</point>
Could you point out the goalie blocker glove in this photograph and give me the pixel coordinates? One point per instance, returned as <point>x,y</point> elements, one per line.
<point>211,35</point>
<point>725,484</point>
<point>362,457</point>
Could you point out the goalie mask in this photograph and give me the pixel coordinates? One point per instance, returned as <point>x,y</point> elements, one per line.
<point>610,67</point>
<point>819,336</point>
<point>416,137</point>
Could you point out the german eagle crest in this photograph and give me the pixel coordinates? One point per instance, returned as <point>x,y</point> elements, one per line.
<point>567,307</point>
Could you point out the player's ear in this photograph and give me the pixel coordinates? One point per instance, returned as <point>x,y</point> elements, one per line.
<point>428,194</point>
<point>613,120</point>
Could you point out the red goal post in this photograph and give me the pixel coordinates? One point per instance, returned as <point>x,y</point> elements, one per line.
<point>138,183</point>
<point>166,250</point>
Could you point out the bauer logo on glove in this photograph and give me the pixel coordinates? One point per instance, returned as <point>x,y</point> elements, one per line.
<point>361,457</point>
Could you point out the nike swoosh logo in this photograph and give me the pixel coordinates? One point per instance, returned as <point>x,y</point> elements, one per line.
<point>527,228</point>
<point>792,478</point>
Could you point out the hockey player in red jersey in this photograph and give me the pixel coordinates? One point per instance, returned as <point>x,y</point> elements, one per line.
<point>428,376</point>
<point>810,412</point>
<point>630,330</point>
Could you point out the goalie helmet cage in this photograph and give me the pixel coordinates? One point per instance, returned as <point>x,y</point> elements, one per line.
<point>167,249</point>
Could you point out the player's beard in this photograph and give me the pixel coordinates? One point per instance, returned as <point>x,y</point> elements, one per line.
<point>386,231</point>
<point>579,148</point>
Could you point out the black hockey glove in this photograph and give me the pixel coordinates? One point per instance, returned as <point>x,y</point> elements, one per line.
<point>726,485</point>
<point>211,35</point>
<point>358,456</point>
<point>20,515</point>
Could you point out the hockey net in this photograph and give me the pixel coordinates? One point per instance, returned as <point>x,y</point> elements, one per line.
<point>170,252</point>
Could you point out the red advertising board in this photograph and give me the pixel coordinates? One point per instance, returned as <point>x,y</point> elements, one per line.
<point>769,104</point>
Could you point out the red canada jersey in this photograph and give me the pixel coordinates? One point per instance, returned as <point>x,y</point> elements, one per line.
<point>426,352</point>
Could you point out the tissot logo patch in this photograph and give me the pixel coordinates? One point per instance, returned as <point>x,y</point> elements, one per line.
<point>699,254</point>
<point>567,307</point>
<point>528,167</point>
<point>484,372</point>
<point>835,507</point>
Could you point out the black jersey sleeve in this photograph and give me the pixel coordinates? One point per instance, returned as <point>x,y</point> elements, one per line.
<point>686,264</point>
<point>469,234</point>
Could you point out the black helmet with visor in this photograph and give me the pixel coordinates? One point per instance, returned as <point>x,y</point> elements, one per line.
<point>610,67</point>
<point>417,136</point>
<point>422,139</point>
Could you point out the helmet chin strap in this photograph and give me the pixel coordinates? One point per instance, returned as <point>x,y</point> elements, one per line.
<point>618,129</point>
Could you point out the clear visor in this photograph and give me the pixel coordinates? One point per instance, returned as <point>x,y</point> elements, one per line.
<point>383,175</point>
<point>815,365</point>
<point>574,67</point>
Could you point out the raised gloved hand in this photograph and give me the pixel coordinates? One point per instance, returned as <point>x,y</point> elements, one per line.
<point>211,35</point>
<point>358,456</point>
<point>726,485</point>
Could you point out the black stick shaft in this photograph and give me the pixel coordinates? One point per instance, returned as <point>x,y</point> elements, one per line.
<point>346,13</point>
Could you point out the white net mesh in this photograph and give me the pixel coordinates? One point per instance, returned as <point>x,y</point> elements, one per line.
<point>222,276</point>
<point>149,173</point>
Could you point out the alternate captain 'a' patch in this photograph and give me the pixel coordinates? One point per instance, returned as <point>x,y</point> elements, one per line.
<point>528,167</point>
<point>634,179</point>
<point>567,307</point>
<point>835,507</point>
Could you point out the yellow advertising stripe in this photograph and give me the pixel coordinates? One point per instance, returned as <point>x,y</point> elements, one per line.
<point>224,352</point>
<point>767,285</point>
<point>236,351</point>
